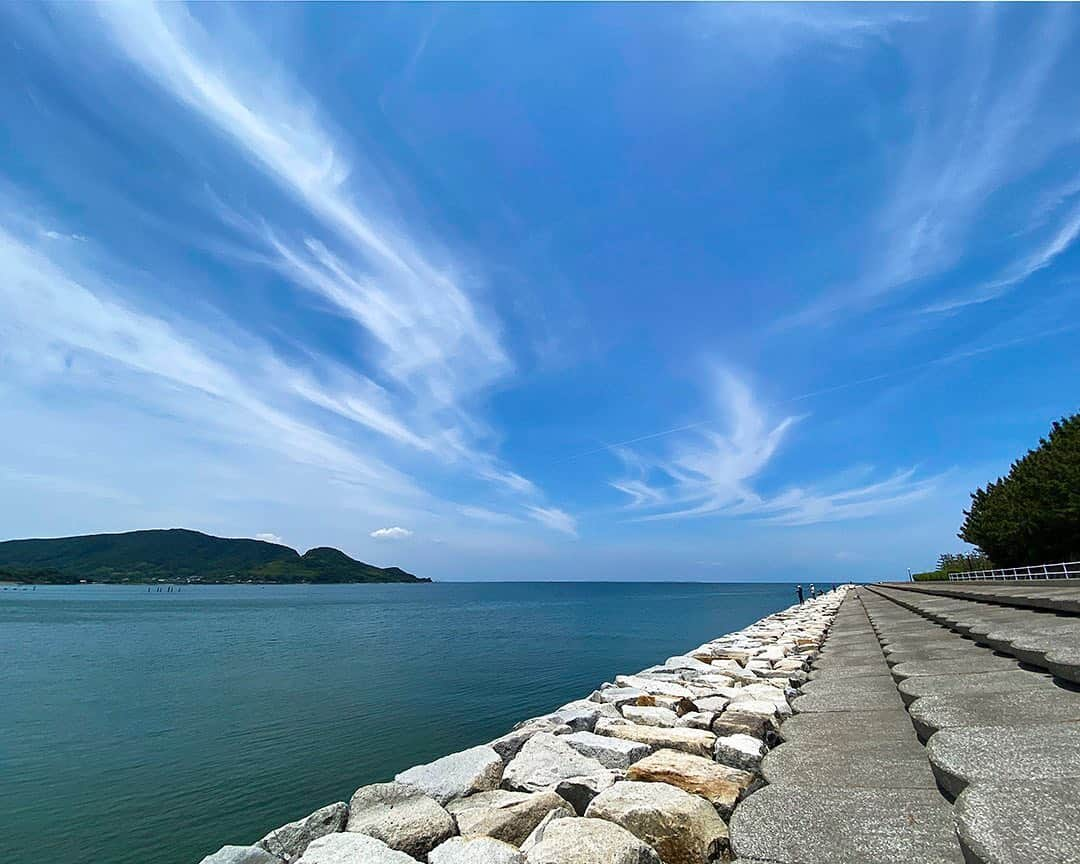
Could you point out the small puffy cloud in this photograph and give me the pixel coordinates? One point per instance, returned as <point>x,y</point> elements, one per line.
<point>269,538</point>
<point>393,533</point>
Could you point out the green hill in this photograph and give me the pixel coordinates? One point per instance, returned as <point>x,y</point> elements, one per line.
<point>179,555</point>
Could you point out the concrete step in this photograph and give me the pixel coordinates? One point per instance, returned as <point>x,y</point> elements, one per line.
<point>1018,823</point>
<point>1040,638</point>
<point>787,824</point>
<point>986,754</point>
<point>851,784</point>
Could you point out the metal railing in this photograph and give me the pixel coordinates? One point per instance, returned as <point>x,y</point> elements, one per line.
<point>1066,570</point>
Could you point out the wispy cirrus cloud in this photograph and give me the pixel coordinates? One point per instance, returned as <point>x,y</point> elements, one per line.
<point>430,349</point>
<point>554,518</point>
<point>431,346</point>
<point>978,130</point>
<point>717,473</point>
<point>64,321</point>
<point>1061,239</point>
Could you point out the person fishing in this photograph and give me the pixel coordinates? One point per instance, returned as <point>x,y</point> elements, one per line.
<point>813,591</point>
<point>798,593</point>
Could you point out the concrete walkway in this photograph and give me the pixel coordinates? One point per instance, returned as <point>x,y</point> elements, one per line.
<point>998,780</point>
<point>851,784</point>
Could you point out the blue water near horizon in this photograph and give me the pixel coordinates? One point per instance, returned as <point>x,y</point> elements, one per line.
<point>141,726</point>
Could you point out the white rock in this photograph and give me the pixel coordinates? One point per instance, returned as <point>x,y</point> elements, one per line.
<point>711,703</point>
<point>508,745</point>
<point>618,696</point>
<point>740,751</point>
<point>687,662</point>
<point>475,850</point>
<point>349,848</point>
<point>505,815</point>
<point>649,685</point>
<point>681,827</point>
<point>697,720</point>
<point>589,841</point>
<point>400,816</point>
<point>547,762</point>
<point>478,769</point>
<point>241,855</point>
<point>537,833</point>
<point>650,716</point>
<point>610,752</point>
<point>289,841</point>
<point>696,741</point>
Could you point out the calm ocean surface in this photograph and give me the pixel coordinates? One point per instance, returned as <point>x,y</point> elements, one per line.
<point>138,728</point>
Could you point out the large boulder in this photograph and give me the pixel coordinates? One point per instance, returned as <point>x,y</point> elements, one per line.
<point>588,841</point>
<point>720,785</point>
<point>289,841</point>
<point>610,752</point>
<point>735,723</point>
<point>618,696</point>
<point>475,850</point>
<point>650,716</point>
<point>509,744</point>
<point>401,816</point>
<point>711,703</point>
<point>352,849</point>
<point>689,663</point>
<point>537,833</point>
<point>548,762</point>
<point>504,815</point>
<point>241,855</point>
<point>582,714</point>
<point>682,828</point>
<point>740,751</point>
<point>654,686</point>
<point>478,769</point>
<point>696,741</point>
<point>697,720</point>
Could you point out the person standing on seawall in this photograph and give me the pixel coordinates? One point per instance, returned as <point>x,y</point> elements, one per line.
<point>813,591</point>
<point>798,592</point>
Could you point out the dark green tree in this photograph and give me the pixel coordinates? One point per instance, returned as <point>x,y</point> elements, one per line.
<point>1032,515</point>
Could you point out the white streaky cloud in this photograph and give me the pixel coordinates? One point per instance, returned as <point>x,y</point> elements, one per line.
<point>976,131</point>
<point>431,347</point>
<point>429,329</point>
<point>59,235</point>
<point>640,492</point>
<point>393,533</point>
<point>554,518</point>
<point>716,474</point>
<point>270,538</point>
<point>1039,259</point>
<point>483,514</point>
<point>808,507</point>
<point>52,316</point>
<point>769,32</point>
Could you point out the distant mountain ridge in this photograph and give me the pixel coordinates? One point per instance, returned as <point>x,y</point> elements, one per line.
<point>181,555</point>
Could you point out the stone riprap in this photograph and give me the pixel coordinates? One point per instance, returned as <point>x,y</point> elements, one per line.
<point>646,770</point>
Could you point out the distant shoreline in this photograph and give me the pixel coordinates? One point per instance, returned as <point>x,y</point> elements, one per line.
<point>194,584</point>
<point>178,556</point>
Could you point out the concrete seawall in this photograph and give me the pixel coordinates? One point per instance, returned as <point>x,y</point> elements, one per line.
<point>940,725</point>
<point>647,769</point>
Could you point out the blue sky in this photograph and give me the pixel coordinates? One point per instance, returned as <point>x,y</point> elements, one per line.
<point>536,292</point>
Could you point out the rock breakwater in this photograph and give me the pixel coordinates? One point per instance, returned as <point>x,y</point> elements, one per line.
<point>646,770</point>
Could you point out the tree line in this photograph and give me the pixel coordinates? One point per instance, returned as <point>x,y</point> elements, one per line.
<point>1032,514</point>
<point>1029,516</point>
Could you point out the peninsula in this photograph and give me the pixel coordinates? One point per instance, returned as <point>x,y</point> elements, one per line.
<point>180,555</point>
